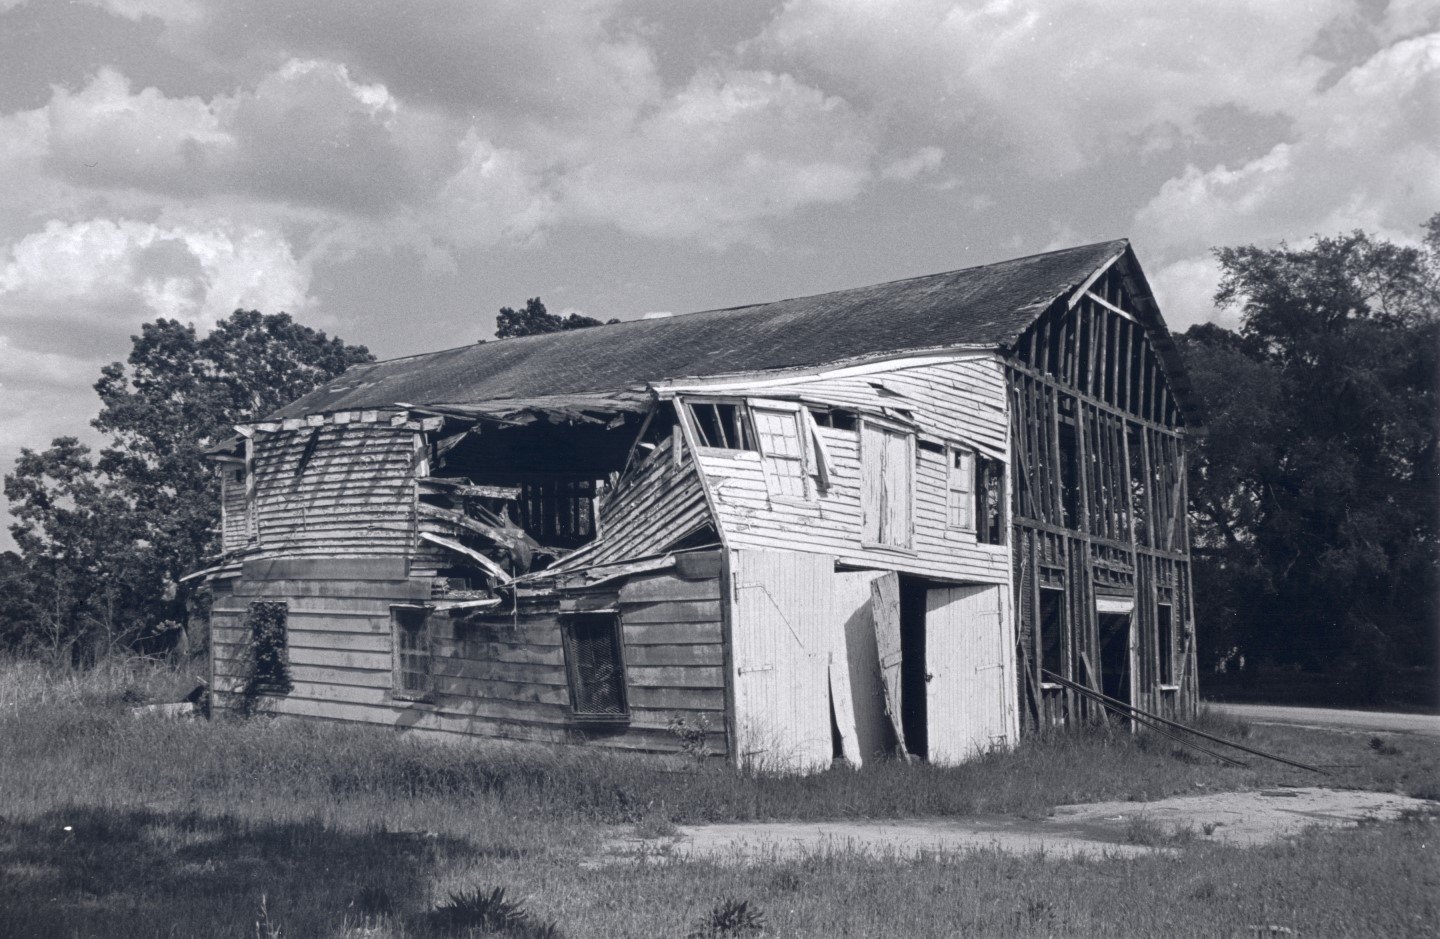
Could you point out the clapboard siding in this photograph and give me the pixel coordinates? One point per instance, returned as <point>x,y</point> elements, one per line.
<point>662,503</point>
<point>501,675</point>
<point>961,401</point>
<point>234,519</point>
<point>335,489</point>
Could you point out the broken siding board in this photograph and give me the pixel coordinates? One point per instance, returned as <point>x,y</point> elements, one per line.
<point>674,611</point>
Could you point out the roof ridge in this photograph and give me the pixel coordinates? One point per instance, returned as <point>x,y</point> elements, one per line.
<point>748,306</point>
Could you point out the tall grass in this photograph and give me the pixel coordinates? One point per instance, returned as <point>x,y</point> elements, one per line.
<point>190,822</point>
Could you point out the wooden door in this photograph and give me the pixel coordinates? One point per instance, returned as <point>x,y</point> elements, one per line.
<point>782,657</point>
<point>969,673</point>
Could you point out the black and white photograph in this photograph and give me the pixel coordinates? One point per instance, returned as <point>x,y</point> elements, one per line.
<point>719,470</point>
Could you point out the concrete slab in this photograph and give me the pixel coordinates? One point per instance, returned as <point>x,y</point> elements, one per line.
<point>1102,829</point>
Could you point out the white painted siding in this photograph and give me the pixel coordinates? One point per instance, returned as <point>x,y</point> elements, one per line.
<point>957,401</point>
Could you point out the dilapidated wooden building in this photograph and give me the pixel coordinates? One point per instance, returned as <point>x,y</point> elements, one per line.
<point>868,522</point>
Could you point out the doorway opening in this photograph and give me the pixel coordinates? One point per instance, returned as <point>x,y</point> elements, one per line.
<point>1115,678</point>
<point>914,678</point>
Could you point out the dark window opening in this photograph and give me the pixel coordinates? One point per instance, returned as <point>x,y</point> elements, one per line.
<point>595,666</point>
<point>269,653</point>
<point>914,687</point>
<point>989,501</point>
<point>1052,632</point>
<point>1070,476</point>
<point>1115,655</point>
<point>411,629</point>
<point>723,426</point>
<point>836,418</point>
<point>1165,626</point>
<point>931,446</point>
<point>1139,498</point>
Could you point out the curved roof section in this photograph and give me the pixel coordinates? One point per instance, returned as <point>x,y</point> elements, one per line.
<point>989,305</point>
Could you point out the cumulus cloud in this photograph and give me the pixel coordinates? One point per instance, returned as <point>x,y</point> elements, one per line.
<point>1061,84</point>
<point>100,269</point>
<point>1365,153</point>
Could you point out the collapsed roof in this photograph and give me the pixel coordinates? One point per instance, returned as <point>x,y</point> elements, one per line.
<point>987,306</point>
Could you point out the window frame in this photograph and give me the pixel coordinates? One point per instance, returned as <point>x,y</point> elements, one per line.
<point>1002,502</point>
<point>275,684</point>
<point>793,413</point>
<point>398,691</point>
<point>742,417</point>
<point>574,680</point>
<point>957,498</point>
<point>1165,642</point>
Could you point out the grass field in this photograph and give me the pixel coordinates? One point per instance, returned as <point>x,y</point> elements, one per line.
<point>114,826</point>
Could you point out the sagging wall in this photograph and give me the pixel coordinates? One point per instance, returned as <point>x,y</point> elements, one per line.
<point>496,674</point>
<point>961,402</point>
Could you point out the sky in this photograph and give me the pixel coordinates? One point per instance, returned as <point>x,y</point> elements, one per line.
<point>395,172</point>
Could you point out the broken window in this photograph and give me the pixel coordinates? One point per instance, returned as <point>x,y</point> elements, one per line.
<point>410,627</point>
<point>594,666</point>
<point>887,456</point>
<point>783,450</point>
<point>1165,630</point>
<point>989,501</point>
<point>269,653</point>
<point>961,487</point>
<point>1052,631</point>
<point>723,426</point>
<point>835,418</point>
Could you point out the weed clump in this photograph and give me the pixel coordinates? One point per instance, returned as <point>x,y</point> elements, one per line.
<point>489,913</point>
<point>729,918</point>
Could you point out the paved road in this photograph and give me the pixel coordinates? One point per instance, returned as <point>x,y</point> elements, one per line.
<point>1427,724</point>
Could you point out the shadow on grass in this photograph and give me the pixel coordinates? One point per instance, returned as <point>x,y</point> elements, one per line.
<point>110,872</point>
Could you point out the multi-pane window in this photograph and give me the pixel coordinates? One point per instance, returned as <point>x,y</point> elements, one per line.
<point>887,456</point>
<point>961,488</point>
<point>783,451</point>
<point>722,425</point>
<point>595,666</point>
<point>410,626</point>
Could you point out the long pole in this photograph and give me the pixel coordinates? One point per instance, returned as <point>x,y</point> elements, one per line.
<point>1169,723</point>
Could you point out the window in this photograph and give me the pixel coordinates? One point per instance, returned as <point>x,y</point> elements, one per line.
<point>835,418</point>
<point>1165,627</point>
<point>1052,632</point>
<point>269,657</point>
<point>783,450</point>
<point>961,488</point>
<point>989,501</point>
<point>594,665</point>
<point>887,456</point>
<point>723,426</point>
<point>410,628</point>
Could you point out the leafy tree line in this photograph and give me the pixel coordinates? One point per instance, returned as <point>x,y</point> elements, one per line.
<point>1313,496</point>
<point>105,537</point>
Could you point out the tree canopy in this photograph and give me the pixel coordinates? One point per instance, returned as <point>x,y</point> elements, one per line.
<point>1313,494</point>
<point>104,538</point>
<point>534,320</point>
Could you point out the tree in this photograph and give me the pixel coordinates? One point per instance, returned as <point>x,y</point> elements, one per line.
<point>105,542</point>
<point>535,320</point>
<point>1313,495</point>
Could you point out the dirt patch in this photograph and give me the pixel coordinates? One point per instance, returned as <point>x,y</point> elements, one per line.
<point>1114,829</point>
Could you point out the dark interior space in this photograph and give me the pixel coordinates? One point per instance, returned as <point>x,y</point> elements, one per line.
<point>1052,631</point>
<point>913,681</point>
<point>1115,655</point>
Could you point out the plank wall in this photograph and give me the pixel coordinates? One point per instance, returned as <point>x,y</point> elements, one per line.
<point>496,676</point>
<point>336,490</point>
<point>660,504</point>
<point>963,402</point>
<point>234,517</point>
